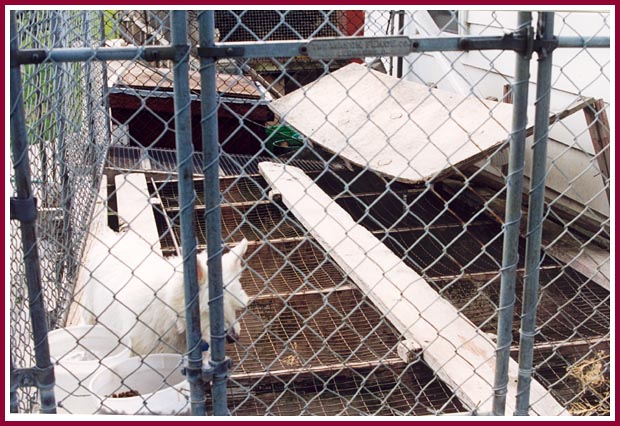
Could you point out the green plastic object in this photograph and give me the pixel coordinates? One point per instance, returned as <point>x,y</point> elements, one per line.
<point>283,139</point>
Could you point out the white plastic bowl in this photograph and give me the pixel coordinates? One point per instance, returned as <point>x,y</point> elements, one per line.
<point>78,352</point>
<point>157,379</point>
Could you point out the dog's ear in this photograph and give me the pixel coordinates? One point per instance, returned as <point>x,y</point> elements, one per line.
<point>200,274</point>
<point>239,251</point>
<point>201,267</point>
<point>180,325</point>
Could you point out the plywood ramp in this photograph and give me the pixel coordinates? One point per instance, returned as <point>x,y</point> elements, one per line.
<point>398,128</point>
<point>461,356</point>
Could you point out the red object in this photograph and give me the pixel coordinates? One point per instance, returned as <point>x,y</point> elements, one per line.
<point>352,24</point>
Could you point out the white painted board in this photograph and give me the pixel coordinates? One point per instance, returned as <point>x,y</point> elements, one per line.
<point>399,128</point>
<point>461,355</point>
<point>135,209</point>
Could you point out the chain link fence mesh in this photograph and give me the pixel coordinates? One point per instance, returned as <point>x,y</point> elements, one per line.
<point>66,127</point>
<point>313,328</point>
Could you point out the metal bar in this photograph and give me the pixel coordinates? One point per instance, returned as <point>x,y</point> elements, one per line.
<point>21,164</point>
<point>88,77</point>
<point>185,153</point>
<point>401,26</point>
<point>60,110</point>
<point>535,218</point>
<point>346,47</point>
<point>253,49</point>
<point>585,42</point>
<point>485,275</point>
<point>237,204</point>
<point>212,215</point>
<point>510,256</point>
<point>83,54</point>
<point>293,48</point>
<point>390,30</point>
<point>340,47</point>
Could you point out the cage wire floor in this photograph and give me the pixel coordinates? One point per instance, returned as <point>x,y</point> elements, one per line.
<point>313,344</point>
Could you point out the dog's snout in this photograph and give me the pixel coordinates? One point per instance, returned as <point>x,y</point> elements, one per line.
<point>232,336</point>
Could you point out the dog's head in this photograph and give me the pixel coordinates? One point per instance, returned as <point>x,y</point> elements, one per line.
<point>235,298</point>
<point>232,265</point>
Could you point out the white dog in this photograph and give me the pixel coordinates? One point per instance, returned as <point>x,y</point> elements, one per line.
<point>137,292</point>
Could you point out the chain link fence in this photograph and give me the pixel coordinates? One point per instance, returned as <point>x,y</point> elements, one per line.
<point>68,137</point>
<point>323,212</point>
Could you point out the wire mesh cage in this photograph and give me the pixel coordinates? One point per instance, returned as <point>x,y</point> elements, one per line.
<point>236,217</point>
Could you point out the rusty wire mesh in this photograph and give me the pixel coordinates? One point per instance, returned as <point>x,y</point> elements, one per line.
<point>312,339</point>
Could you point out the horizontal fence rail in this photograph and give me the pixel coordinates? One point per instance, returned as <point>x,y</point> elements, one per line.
<point>310,212</point>
<point>327,48</point>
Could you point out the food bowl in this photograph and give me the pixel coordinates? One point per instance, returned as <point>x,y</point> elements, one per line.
<point>150,385</point>
<point>78,353</point>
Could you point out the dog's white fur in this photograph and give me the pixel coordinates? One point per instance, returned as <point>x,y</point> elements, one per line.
<point>137,292</point>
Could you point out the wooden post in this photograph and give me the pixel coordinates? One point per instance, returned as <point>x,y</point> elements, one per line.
<point>598,125</point>
<point>507,99</point>
<point>507,95</point>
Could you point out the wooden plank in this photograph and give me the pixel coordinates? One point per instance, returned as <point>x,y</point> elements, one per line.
<point>141,76</point>
<point>398,128</point>
<point>586,258</point>
<point>589,260</point>
<point>462,356</point>
<point>134,208</point>
<point>98,223</point>
<point>301,374</point>
<point>408,350</point>
<point>573,213</point>
<point>332,369</point>
<point>570,111</point>
<point>598,125</point>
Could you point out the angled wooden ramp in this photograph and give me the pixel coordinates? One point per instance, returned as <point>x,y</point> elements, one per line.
<point>398,128</point>
<point>462,357</point>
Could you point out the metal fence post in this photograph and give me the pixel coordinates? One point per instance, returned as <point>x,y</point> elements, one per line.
<point>514,182</point>
<point>308,307</point>
<point>60,84</point>
<point>535,217</point>
<point>185,152</point>
<point>23,208</point>
<point>14,403</point>
<point>210,144</point>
